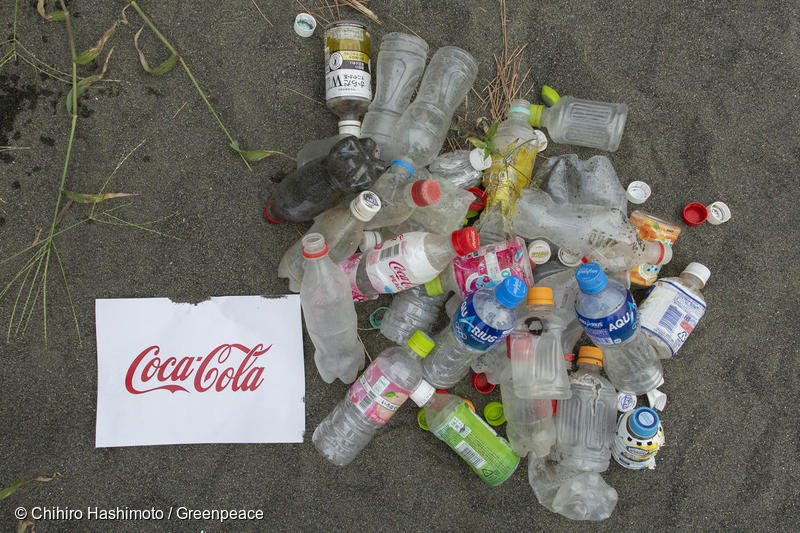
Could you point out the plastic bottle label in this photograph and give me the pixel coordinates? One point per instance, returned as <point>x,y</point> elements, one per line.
<point>474,332</point>
<point>631,451</point>
<point>376,396</point>
<point>489,266</point>
<point>488,454</point>
<point>350,268</point>
<point>615,328</point>
<point>400,264</point>
<point>347,72</point>
<point>671,314</point>
<point>505,179</point>
<point>650,229</point>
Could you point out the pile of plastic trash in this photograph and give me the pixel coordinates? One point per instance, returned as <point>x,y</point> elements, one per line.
<point>524,255</point>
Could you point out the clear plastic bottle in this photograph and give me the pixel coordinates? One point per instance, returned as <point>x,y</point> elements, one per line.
<point>372,400</point>
<point>406,261</point>
<point>604,235</point>
<point>454,423</point>
<point>401,61</point>
<point>308,191</point>
<point>342,227</point>
<point>673,308</point>
<point>482,321</point>
<point>585,422</point>
<point>492,363</point>
<point>530,421</point>
<point>608,314</point>
<point>444,216</point>
<point>456,167</point>
<point>404,199</point>
<point>348,80</point>
<point>582,122</point>
<point>329,314</point>
<point>410,311</point>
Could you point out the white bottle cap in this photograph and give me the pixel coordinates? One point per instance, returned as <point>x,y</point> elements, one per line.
<point>626,402</point>
<point>422,393</point>
<point>568,259</point>
<point>370,240</point>
<point>657,399</point>
<point>350,127</point>
<point>698,270</point>
<point>541,138</point>
<point>718,213</point>
<point>638,192</point>
<point>365,205</point>
<point>539,252</point>
<point>304,25</point>
<point>479,160</point>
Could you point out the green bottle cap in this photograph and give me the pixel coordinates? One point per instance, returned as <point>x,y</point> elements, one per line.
<point>536,115</point>
<point>421,419</point>
<point>420,343</point>
<point>549,95</point>
<point>493,413</point>
<point>434,287</point>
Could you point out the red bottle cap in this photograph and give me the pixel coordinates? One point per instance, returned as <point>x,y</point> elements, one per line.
<point>465,240</point>
<point>481,384</point>
<point>555,406</point>
<point>442,391</point>
<point>269,212</point>
<point>481,196</point>
<point>425,192</point>
<point>695,214</point>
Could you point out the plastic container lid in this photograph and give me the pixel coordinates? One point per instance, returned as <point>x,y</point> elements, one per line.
<point>695,214</point>
<point>626,401</point>
<point>540,296</point>
<point>698,270</point>
<point>541,138</point>
<point>493,413</point>
<point>365,205</point>
<point>434,287</point>
<point>481,384</point>
<point>480,202</point>
<point>539,252</point>
<point>370,240</point>
<point>644,422</point>
<point>511,291</point>
<point>425,192</point>
<point>568,259</point>
<point>422,393</point>
<point>465,240</point>
<point>718,213</point>
<point>549,95</point>
<point>591,278</point>
<point>638,192</point>
<point>479,160</point>
<point>423,424</point>
<point>304,25</point>
<point>590,355</point>
<point>420,343</point>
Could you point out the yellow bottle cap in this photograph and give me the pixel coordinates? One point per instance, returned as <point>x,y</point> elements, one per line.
<point>591,355</point>
<point>549,95</point>
<point>420,343</point>
<point>434,287</point>
<point>493,413</point>
<point>536,115</point>
<point>421,419</point>
<point>540,295</point>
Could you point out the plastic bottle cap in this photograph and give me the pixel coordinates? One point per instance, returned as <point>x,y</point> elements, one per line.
<point>350,127</point>
<point>481,196</point>
<point>638,192</point>
<point>666,253</point>
<point>370,240</point>
<point>540,296</point>
<point>626,402</point>
<point>657,399</point>
<point>421,343</point>
<point>425,192</point>
<point>698,270</point>
<point>541,138</point>
<point>539,252</point>
<point>422,393</point>
<point>536,115</point>
<point>465,240</point>
<point>493,413</point>
<point>591,355</point>
<point>549,95</point>
<point>718,213</point>
<point>591,278</point>
<point>365,205</point>
<point>568,259</point>
<point>423,424</point>
<point>695,214</point>
<point>304,25</point>
<point>644,422</point>
<point>434,287</point>
<point>314,245</point>
<point>481,384</point>
<point>479,160</point>
<point>511,291</point>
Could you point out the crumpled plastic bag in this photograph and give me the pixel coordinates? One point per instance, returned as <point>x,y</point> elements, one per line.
<point>573,494</point>
<point>568,180</point>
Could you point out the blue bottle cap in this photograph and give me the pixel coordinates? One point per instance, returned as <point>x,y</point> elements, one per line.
<point>644,422</point>
<point>511,292</point>
<point>591,278</point>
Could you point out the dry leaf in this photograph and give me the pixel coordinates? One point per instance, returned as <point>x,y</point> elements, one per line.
<point>94,51</point>
<point>161,69</point>
<point>57,16</point>
<point>85,198</point>
<point>5,493</point>
<point>85,83</point>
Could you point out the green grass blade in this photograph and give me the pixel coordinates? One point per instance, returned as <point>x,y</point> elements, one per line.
<point>69,294</point>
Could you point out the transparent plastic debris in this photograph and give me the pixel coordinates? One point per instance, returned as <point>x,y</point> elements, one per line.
<point>570,181</point>
<point>456,168</point>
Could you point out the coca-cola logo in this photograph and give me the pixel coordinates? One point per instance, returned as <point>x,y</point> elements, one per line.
<point>227,366</point>
<point>400,271</point>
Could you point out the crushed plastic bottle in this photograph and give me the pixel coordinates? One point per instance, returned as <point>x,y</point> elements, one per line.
<point>372,400</point>
<point>321,147</point>
<point>570,181</point>
<point>492,363</point>
<point>410,311</point>
<point>609,316</point>
<point>530,421</point>
<point>329,314</point>
<point>444,216</point>
<point>456,168</point>
<point>410,196</point>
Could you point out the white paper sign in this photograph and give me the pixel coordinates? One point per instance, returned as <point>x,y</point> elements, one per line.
<point>229,369</point>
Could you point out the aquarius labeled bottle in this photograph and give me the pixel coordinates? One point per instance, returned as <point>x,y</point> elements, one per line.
<point>329,314</point>
<point>637,441</point>
<point>673,309</point>
<point>410,311</point>
<point>585,421</point>
<point>481,322</point>
<point>454,423</point>
<point>609,316</point>
<point>372,400</point>
<point>342,227</point>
